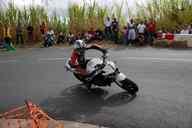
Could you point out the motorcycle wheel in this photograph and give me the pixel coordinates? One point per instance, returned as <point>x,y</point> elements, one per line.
<point>80,78</point>
<point>129,86</point>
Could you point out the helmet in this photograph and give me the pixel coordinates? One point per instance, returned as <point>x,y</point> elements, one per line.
<point>78,44</point>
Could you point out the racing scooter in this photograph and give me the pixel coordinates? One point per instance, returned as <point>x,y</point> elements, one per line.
<point>49,39</point>
<point>106,72</point>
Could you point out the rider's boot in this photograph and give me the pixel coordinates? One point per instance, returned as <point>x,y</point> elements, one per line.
<point>88,85</point>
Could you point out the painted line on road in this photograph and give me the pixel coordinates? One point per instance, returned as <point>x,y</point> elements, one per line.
<point>131,58</point>
<point>7,61</point>
<point>51,59</point>
<point>156,59</point>
<point>119,58</point>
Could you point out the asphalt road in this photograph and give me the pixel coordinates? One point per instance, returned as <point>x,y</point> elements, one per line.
<point>164,77</point>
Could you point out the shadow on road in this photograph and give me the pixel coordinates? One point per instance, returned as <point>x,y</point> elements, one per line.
<point>76,102</point>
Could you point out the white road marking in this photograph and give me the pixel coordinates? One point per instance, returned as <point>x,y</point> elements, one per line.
<point>7,61</point>
<point>51,59</point>
<point>151,59</point>
<point>156,59</point>
<point>132,58</point>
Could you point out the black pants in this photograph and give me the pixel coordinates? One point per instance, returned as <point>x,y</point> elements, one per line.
<point>61,39</point>
<point>19,39</point>
<point>115,36</point>
<point>7,40</point>
<point>108,33</point>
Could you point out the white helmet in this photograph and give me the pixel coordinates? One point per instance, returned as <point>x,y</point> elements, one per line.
<point>79,44</point>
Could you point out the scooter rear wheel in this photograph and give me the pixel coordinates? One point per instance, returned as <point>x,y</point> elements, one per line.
<point>80,78</point>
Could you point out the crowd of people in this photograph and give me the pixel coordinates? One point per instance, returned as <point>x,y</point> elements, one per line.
<point>6,38</point>
<point>187,29</point>
<point>130,34</point>
<point>133,33</point>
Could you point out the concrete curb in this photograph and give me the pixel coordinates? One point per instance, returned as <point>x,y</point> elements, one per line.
<point>71,124</point>
<point>24,123</point>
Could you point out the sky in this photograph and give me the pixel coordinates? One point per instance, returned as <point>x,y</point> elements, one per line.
<point>59,3</point>
<point>60,6</point>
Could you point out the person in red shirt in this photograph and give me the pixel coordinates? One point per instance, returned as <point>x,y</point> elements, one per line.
<point>151,28</point>
<point>43,28</point>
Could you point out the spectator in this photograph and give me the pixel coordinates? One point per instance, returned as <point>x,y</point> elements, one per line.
<point>185,30</point>
<point>49,38</point>
<point>78,36</point>
<point>91,35</point>
<point>19,34</point>
<point>99,34</point>
<point>30,33</point>
<point>115,30</point>
<point>6,32</point>
<point>71,38</point>
<point>124,34</point>
<point>190,29</point>
<point>151,27</point>
<point>1,32</point>
<point>108,31</point>
<point>53,34</point>
<point>160,35</point>
<point>177,30</point>
<point>43,28</point>
<point>87,36</point>
<point>7,44</point>
<point>61,38</point>
<point>141,28</point>
<point>146,35</point>
<point>131,32</point>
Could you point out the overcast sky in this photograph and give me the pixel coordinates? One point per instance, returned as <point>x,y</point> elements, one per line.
<point>60,6</point>
<point>64,3</point>
<point>60,3</point>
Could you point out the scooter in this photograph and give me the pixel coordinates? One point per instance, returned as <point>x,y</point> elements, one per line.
<point>49,39</point>
<point>106,72</point>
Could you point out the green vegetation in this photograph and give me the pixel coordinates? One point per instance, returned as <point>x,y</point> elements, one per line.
<point>33,15</point>
<point>169,14</point>
<point>91,15</point>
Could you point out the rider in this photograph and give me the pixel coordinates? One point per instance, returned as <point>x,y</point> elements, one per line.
<point>77,59</point>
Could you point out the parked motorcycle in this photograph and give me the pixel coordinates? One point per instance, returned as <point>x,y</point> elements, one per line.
<point>106,73</point>
<point>49,39</point>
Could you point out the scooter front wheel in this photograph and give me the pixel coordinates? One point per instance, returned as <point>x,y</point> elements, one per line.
<point>130,86</point>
